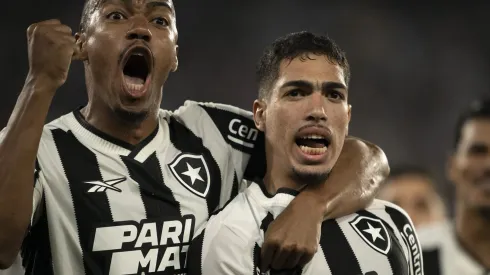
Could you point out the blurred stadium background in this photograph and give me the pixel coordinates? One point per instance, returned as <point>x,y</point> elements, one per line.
<point>415,65</point>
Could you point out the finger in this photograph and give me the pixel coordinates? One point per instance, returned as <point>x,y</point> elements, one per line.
<point>63,29</point>
<point>267,255</point>
<point>76,53</point>
<point>50,22</point>
<point>31,30</point>
<point>293,260</point>
<point>303,260</point>
<point>68,38</point>
<point>280,260</point>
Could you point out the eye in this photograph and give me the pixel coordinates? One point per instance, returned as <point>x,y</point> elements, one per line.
<point>295,93</point>
<point>160,21</point>
<point>116,16</point>
<point>335,95</point>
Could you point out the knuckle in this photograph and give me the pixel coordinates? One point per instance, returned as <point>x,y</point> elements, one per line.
<point>31,29</point>
<point>311,250</point>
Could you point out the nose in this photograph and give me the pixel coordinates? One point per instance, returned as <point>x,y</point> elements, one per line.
<point>139,30</point>
<point>317,108</point>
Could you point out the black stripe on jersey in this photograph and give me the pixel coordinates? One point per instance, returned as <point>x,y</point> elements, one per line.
<point>409,237</point>
<point>432,265</point>
<point>91,209</point>
<point>337,250</point>
<point>157,198</point>
<point>234,188</point>
<point>194,255</point>
<point>266,222</point>
<point>396,256</point>
<point>36,171</point>
<point>36,248</point>
<point>236,127</point>
<point>185,141</point>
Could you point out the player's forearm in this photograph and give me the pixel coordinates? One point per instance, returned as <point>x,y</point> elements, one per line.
<point>18,151</point>
<point>353,182</point>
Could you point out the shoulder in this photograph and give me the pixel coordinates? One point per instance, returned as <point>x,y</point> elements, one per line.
<point>234,125</point>
<point>391,211</point>
<point>211,109</point>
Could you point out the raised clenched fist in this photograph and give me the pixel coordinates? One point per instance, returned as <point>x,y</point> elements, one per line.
<point>51,49</point>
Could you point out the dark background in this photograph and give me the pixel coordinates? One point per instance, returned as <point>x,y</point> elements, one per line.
<point>414,65</point>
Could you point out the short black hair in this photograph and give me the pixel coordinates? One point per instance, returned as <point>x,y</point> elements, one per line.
<point>477,109</point>
<point>410,169</point>
<point>292,46</point>
<point>88,8</point>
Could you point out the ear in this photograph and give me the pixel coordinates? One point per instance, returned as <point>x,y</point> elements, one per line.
<point>348,119</point>
<point>176,61</point>
<point>80,47</point>
<point>259,108</point>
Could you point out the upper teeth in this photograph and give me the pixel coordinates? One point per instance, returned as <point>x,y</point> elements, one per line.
<point>314,137</point>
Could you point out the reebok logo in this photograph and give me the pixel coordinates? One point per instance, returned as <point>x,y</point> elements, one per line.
<point>102,185</point>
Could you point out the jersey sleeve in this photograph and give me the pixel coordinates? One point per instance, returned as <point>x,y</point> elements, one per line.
<point>38,188</point>
<point>410,240</point>
<point>232,138</point>
<point>219,250</point>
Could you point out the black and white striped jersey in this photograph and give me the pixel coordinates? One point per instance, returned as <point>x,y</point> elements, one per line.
<point>379,240</point>
<point>443,254</point>
<point>103,206</point>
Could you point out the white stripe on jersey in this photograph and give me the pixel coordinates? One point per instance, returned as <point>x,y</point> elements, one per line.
<point>65,248</point>
<point>123,205</point>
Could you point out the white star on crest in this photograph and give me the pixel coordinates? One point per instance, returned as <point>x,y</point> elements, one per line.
<point>374,232</point>
<point>193,173</point>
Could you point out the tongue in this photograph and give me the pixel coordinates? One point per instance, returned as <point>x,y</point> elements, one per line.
<point>133,80</point>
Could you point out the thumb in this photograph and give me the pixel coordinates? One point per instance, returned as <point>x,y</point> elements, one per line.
<point>78,54</point>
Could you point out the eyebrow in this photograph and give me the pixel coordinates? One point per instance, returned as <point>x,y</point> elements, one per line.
<point>156,4</point>
<point>149,5</point>
<point>328,85</point>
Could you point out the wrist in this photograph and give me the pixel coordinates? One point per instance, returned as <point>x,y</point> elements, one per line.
<point>40,84</point>
<point>314,203</point>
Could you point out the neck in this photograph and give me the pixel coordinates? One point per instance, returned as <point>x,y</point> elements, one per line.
<point>109,122</point>
<point>472,231</point>
<point>274,181</point>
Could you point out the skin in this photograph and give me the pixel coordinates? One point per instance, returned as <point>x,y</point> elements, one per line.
<point>309,95</point>
<point>469,170</point>
<point>111,109</point>
<point>416,195</point>
<point>120,25</point>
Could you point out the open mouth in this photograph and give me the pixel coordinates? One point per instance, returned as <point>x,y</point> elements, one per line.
<point>313,144</point>
<point>137,69</point>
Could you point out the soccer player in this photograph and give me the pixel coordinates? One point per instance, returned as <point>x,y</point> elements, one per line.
<point>304,112</point>
<point>463,245</point>
<point>413,189</point>
<point>119,186</point>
